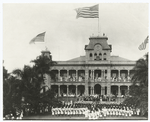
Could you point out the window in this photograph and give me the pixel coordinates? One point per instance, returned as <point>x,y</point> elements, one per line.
<point>95,54</point>
<point>100,54</point>
<point>104,58</point>
<point>104,53</point>
<point>90,54</point>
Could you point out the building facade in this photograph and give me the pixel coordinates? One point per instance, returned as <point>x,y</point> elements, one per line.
<point>98,72</point>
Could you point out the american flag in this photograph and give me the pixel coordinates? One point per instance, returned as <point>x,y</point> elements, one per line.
<point>143,45</point>
<point>88,12</point>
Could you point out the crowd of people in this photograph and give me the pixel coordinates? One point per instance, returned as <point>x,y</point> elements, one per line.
<point>81,77</point>
<point>95,111</point>
<point>121,79</point>
<point>72,77</point>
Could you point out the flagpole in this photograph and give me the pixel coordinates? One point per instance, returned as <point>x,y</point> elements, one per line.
<point>98,22</point>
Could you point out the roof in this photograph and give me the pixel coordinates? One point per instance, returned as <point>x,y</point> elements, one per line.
<point>81,58</point>
<point>112,58</point>
<point>117,58</point>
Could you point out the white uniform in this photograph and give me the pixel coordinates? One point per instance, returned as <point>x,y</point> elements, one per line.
<point>138,112</point>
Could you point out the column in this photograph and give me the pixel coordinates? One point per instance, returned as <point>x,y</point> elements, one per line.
<point>76,90</point>
<point>67,90</point>
<point>119,74</point>
<point>104,74</point>
<point>119,78</point>
<point>59,90</point>
<point>128,88</point>
<point>128,72</point>
<point>102,90</point>
<point>93,74</point>
<point>58,74</point>
<point>109,81</point>
<point>91,90</point>
<point>119,94</point>
<point>86,81</point>
<point>76,75</point>
<point>128,77</point>
<point>101,73</point>
<point>108,73</point>
<point>67,73</point>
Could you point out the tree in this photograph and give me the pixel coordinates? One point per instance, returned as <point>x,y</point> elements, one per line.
<point>26,83</point>
<point>139,93</point>
<point>141,71</point>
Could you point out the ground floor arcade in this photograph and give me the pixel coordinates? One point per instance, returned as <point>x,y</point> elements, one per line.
<point>80,90</point>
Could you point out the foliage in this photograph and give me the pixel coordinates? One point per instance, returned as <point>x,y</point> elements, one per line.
<point>139,93</point>
<point>141,71</point>
<point>26,83</point>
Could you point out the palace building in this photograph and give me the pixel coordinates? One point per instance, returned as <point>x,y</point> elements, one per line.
<point>98,72</point>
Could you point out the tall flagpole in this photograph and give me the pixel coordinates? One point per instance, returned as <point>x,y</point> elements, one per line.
<point>98,22</point>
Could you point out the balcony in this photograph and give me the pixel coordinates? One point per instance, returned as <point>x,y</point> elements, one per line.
<point>121,79</point>
<point>69,80</point>
<point>98,80</point>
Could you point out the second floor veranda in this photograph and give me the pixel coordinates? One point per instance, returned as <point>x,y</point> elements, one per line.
<point>92,75</point>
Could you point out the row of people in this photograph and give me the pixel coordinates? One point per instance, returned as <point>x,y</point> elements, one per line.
<point>68,111</point>
<point>121,79</point>
<point>95,111</point>
<point>72,79</point>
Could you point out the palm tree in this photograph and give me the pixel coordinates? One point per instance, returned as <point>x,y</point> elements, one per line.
<point>141,71</point>
<point>139,94</point>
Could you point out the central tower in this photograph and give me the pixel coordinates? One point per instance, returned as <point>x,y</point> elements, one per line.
<point>98,49</point>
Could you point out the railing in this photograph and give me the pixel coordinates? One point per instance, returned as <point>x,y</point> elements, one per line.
<point>98,80</point>
<point>121,79</point>
<point>68,80</point>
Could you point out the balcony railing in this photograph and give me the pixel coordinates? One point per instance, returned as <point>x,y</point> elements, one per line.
<point>98,80</point>
<point>123,79</point>
<point>71,80</point>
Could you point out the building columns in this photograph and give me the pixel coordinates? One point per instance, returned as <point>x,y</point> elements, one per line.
<point>58,90</point>
<point>58,74</point>
<point>128,88</point>
<point>76,90</point>
<point>119,94</point>
<point>91,90</point>
<point>76,75</point>
<point>102,90</point>
<point>102,73</point>
<point>119,74</point>
<point>93,75</point>
<point>67,90</point>
<point>67,73</point>
<point>109,80</point>
<point>86,81</point>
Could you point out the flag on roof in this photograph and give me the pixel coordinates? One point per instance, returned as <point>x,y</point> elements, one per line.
<point>143,45</point>
<point>38,38</point>
<point>88,12</point>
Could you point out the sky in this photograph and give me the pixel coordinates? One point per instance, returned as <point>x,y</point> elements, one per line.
<point>125,24</point>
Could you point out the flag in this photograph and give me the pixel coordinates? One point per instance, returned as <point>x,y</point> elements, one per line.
<point>88,12</point>
<point>38,38</point>
<point>143,45</point>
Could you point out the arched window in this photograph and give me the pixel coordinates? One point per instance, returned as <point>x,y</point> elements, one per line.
<point>95,54</point>
<point>100,54</point>
<point>90,54</point>
<point>105,54</point>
